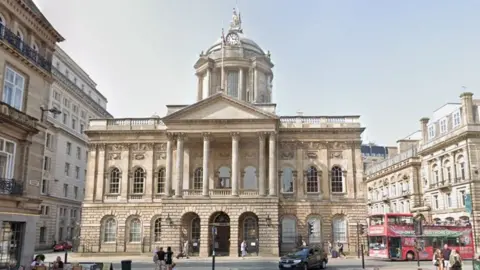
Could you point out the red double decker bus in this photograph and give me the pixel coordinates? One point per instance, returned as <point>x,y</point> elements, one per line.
<point>392,236</point>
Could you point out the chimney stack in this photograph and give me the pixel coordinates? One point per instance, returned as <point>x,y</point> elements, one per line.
<point>467,107</point>
<point>424,129</point>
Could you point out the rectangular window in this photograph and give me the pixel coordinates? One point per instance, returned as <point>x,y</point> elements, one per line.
<point>83,114</point>
<point>48,141</point>
<point>431,131</point>
<point>47,161</point>
<point>7,158</point>
<point>232,83</point>
<point>65,118</point>
<point>43,235</point>
<point>456,119</point>
<point>77,172</point>
<point>67,169</point>
<point>75,108</point>
<point>66,102</point>
<point>448,200</point>
<point>435,201</point>
<point>65,190</point>
<point>79,153</point>
<point>443,126</point>
<point>13,88</point>
<point>56,95</point>
<point>69,148</point>
<point>75,192</point>
<point>44,187</point>
<point>74,123</point>
<point>461,198</point>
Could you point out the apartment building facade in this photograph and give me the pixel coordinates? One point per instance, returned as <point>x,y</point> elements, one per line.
<point>73,93</point>
<point>27,42</point>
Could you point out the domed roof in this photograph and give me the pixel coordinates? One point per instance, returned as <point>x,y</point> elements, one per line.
<point>245,42</point>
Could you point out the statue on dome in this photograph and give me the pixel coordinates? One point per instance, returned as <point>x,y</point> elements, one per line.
<point>236,23</point>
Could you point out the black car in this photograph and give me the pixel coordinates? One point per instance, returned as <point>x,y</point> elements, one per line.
<point>305,258</point>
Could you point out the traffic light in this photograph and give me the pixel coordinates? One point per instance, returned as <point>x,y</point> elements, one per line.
<point>361,229</point>
<point>310,228</point>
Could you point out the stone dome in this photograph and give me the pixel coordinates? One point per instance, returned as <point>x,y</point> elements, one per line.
<point>245,43</point>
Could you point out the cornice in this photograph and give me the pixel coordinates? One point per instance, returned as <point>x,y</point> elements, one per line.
<point>411,162</point>
<point>456,139</point>
<point>323,130</point>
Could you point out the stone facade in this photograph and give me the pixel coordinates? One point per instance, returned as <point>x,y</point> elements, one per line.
<point>74,94</point>
<point>226,165</point>
<point>27,42</point>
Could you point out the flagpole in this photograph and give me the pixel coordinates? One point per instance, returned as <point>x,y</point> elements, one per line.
<point>222,77</point>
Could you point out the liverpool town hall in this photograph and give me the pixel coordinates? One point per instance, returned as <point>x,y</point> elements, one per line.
<point>227,161</point>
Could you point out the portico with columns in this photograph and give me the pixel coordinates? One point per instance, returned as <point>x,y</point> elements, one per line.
<point>228,161</point>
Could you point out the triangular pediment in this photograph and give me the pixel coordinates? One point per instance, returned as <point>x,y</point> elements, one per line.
<point>220,107</point>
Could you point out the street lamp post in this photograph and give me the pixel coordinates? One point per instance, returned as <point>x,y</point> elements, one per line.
<point>53,110</point>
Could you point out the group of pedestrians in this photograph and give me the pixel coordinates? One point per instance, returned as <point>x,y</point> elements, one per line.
<point>447,259</point>
<point>163,260</point>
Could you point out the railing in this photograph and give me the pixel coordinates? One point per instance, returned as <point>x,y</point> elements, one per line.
<point>111,197</point>
<point>192,192</point>
<point>392,161</point>
<point>441,184</point>
<point>17,116</point>
<point>23,48</point>
<point>319,121</point>
<point>135,197</point>
<point>58,75</point>
<point>248,192</point>
<point>11,186</point>
<point>126,124</point>
<point>220,192</point>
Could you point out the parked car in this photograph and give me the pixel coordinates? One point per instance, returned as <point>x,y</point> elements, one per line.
<point>305,258</point>
<point>63,246</point>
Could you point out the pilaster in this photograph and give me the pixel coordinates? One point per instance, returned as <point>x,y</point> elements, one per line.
<point>235,161</point>
<point>169,164</point>
<point>261,163</point>
<point>179,167</point>
<point>91,173</point>
<point>272,159</point>
<point>100,179</point>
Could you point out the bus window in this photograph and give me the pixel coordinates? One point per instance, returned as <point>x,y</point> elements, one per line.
<point>376,220</point>
<point>400,220</point>
<point>377,242</point>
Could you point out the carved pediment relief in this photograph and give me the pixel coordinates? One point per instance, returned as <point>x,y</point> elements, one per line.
<point>292,145</point>
<point>311,155</point>
<point>250,154</point>
<point>117,147</point>
<point>336,154</point>
<point>161,155</point>
<point>161,146</point>
<point>338,145</point>
<point>139,156</point>
<point>115,156</point>
<point>142,146</point>
<point>287,155</point>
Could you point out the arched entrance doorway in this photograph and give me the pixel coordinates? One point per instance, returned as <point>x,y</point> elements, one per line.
<point>248,232</point>
<point>221,222</point>
<point>190,230</point>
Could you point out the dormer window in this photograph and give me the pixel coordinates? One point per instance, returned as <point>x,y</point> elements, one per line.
<point>456,119</point>
<point>431,131</point>
<point>443,125</point>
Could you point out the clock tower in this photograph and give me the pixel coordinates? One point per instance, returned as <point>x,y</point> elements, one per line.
<point>235,65</point>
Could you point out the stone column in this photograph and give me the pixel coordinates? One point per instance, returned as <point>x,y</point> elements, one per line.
<point>261,164</point>
<point>206,152</point>
<point>100,179</point>
<point>209,83</point>
<point>240,84</point>
<point>272,159</point>
<point>179,189</point>
<point>168,169</point>
<point>90,177</point>
<point>255,85</point>
<point>200,87</point>
<point>235,140</point>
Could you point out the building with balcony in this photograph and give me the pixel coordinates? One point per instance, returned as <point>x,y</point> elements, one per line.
<point>224,169</point>
<point>450,147</point>
<point>74,94</point>
<point>27,42</point>
<point>392,184</point>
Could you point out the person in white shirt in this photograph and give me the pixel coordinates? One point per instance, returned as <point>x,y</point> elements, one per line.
<point>37,261</point>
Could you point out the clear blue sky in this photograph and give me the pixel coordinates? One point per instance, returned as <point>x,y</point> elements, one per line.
<point>392,62</point>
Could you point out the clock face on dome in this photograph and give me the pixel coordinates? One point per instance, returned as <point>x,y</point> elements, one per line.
<point>233,39</point>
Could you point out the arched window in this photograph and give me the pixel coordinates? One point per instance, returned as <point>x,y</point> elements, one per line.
<point>250,178</point>
<point>287,180</point>
<point>224,177</point>
<point>436,174</point>
<point>198,178</point>
<point>195,237</point>
<point>157,230</point>
<point>135,231</point>
<point>138,181</point>
<point>339,229</point>
<point>289,230</point>
<point>314,226</point>
<point>110,230</point>
<point>337,180</point>
<point>312,180</point>
<point>447,174</point>
<point>250,229</point>
<point>114,185</point>
<point>161,181</point>
<point>461,167</point>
